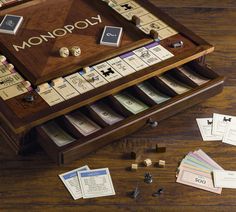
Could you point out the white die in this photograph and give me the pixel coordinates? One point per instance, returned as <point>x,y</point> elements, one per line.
<point>64,52</point>
<point>75,51</point>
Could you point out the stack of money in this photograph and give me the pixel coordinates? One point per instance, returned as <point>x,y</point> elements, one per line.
<point>196,170</point>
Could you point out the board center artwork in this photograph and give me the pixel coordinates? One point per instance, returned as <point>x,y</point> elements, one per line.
<point>79,23</point>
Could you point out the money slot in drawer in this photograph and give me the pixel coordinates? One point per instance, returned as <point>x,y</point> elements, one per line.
<point>149,94</point>
<point>193,77</point>
<point>103,113</point>
<point>80,123</point>
<point>151,116</point>
<point>127,104</point>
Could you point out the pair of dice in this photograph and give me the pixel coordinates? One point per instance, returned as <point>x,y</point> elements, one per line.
<point>65,52</point>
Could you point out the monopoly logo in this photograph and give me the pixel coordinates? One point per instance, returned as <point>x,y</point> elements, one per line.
<point>60,32</point>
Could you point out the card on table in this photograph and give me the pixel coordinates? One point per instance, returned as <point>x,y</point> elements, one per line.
<point>230,134</point>
<point>205,127</point>
<point>111,36</point>
<point>106,113</point>
<point>96,183</point>
<point>82,123</point>
<point>10,24</point>
<point>71,182</point>
<point>224,179</point>
<point>131,103</point>
<point>57,134</point>
<point>220,123</point>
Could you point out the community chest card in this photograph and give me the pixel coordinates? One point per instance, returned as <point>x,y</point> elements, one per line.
<point>96,183</point>
<point>71,182</point>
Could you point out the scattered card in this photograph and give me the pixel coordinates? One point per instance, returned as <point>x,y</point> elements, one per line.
<point>224,179</point>
<point>220,123</point>
<point>111,36</point>
<point>96,183</point>
<point>205,126</point>
<point>10,24</point>
<point>71,182</point>
<point>230,134</point>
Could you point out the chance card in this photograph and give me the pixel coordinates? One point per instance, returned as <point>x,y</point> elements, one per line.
<point>111,36</point>
<point>10,24</point>
<point>96,183</point>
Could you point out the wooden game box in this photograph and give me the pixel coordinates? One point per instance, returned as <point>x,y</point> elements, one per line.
<point>51,24</point>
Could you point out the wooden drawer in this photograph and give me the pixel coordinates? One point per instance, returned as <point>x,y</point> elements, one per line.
<point>151,117</point>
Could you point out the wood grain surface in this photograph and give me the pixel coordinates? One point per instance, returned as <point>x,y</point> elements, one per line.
<point>31,183</point>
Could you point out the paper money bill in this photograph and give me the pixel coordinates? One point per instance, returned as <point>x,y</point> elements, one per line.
<point>197,179</point>
<point>153,93</point>
<point>57,134</point>
<point>175,85</point>
<point>106,113</point>
<point>131,103</point>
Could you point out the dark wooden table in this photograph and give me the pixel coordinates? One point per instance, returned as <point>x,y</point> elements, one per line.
<point>31,183</point>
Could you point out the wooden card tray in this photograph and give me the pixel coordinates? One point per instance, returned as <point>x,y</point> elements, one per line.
<point>50,25</point>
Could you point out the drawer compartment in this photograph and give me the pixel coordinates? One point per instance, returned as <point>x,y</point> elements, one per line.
<point>155,100</point>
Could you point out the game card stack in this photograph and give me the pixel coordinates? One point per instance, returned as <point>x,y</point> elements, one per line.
<point>86,183</point>
<point>219,128</point>
<point>10,24</point>
<point>196,170</point>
